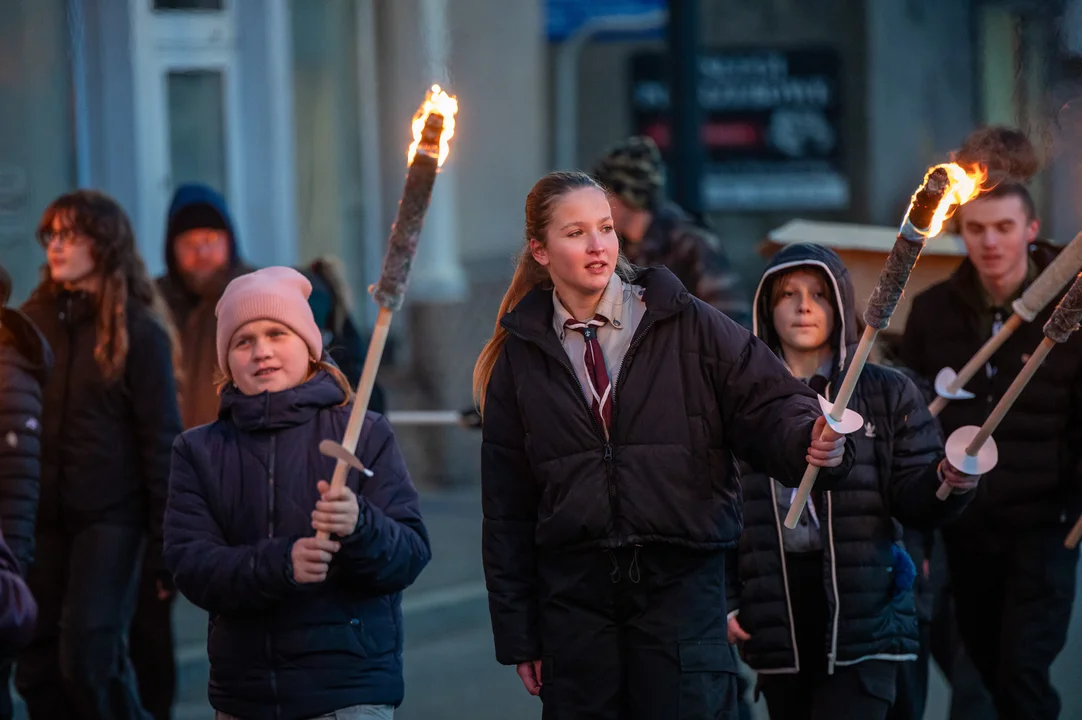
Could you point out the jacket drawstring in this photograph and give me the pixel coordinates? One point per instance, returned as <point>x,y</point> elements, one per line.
<point>633,571</point>
<point>614,574</point>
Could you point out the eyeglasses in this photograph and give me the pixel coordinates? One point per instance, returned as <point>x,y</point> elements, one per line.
<point>66,238</point>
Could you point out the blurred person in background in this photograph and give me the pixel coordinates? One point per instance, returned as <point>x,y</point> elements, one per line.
<point>202,256</point>
<point>109,420</point>
<point>655,231</point>
<point>1012,579</point>
<point>18,611</point>
<point>25,362</point>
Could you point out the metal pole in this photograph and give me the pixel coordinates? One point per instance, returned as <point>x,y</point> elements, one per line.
<point>686,158</point>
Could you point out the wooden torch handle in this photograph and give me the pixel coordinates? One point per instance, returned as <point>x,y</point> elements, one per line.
<point>361,399</point>
<point>977,361</point>
<point>1017,386</point>
<point>841,401</point>
<point>1004,405</point>
<point>1075,536</point>
<point>944,491</point>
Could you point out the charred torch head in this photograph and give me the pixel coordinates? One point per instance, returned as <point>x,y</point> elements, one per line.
<point>433,126</point>
<point>928,198</point>
<point>944,189</point>
<point>1065,319</point>
<point>430,137</point>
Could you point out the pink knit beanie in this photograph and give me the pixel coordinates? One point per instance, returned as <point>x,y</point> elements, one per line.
<point>274,293</point>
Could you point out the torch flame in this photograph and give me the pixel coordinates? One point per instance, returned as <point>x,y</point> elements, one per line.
<point>964,186</point>
<point>440,102</point>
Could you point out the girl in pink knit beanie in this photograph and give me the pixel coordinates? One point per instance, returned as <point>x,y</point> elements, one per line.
<point>267,338</point>
<point>302,627</point>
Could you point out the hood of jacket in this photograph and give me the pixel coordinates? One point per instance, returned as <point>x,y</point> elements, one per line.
<point>844,338</point>
<point>33,353</point>
<point>188,196</point>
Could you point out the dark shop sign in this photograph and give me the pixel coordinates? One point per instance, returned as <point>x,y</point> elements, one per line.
<point>771,126</point>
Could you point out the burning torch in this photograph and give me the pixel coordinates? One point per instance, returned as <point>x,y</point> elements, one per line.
<point>944,188</point>
<point>433,126</point>
<point>1068,262</point>
<point>971,449</point>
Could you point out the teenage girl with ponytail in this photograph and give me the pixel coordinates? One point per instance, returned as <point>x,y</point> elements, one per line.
<point>614,404</point>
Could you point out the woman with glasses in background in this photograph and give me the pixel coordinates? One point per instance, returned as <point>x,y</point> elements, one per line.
<point>108,424</point>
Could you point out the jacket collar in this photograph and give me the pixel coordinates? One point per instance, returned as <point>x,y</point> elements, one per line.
<point>844,338</point>
<point>280,410</point>
<point>966,286</point>
<point>531,319</point>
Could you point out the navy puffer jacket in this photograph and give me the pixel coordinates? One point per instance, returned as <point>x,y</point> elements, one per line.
<point>241,492</point>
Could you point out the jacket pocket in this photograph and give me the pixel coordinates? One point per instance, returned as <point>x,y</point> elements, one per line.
<point>708,683</point>
<point>374,625</point>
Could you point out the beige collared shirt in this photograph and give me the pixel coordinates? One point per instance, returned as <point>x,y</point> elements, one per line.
<point>622,305</point>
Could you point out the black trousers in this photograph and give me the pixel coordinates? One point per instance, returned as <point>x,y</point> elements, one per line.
<point>1013,593</point>
<point>77,665</point>
<point>969,699</point>
<point>635,634</point>
<point>857,692</point>
<point>912,691</point>
<point>151,643</point>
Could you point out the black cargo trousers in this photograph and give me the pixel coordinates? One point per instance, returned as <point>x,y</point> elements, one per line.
<point>636,633</point>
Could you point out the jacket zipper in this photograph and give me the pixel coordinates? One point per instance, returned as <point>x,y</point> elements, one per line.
<point>832,658</point>
<point>69,327</point>
<point>270,536</point>
<point>785,575</point>
<point>270,490</point>
<point>606,439</point>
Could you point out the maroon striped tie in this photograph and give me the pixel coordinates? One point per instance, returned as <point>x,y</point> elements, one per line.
<point>596,373</point>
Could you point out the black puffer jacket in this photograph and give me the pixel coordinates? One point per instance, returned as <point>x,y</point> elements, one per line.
<point>106,447</point>
<point>694,389</point>
<point>1037,482</point>
<point>894,475</point>
<point>25,362</point>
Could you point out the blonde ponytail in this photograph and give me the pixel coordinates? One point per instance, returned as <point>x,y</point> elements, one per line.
<point>528,273</point>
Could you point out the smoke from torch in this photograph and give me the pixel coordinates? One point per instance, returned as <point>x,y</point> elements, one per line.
<point>945,187</point>
<point>433,126</point>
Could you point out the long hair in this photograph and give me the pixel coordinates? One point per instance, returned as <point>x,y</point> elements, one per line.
<point>121,270</point>
<point>528,272</point>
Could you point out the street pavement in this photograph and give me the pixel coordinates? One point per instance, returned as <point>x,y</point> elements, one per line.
<point>451,672</point>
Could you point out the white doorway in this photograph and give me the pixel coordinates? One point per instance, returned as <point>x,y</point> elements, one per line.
<point>188,120</point>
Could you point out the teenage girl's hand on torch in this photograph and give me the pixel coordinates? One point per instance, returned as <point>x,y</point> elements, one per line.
<point>827,447</point>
